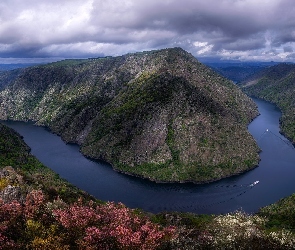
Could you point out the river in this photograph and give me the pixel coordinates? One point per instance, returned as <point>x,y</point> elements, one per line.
<point>275,173</point>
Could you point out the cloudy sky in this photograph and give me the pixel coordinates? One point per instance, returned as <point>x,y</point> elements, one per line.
<point>36,30</point>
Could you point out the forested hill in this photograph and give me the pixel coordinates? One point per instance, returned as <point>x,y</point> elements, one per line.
<point>161,114</point>
<point>277,84</point>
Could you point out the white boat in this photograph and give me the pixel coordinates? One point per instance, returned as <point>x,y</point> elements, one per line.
<point>254,183</point>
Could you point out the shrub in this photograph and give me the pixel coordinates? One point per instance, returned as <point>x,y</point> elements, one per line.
<point>40,224</point>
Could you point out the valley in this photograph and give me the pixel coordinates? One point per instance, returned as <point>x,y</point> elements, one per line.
<point>277,85</point>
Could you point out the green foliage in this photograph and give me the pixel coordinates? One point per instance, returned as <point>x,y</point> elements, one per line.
<point>173,170</point>
<point>15,153</point>
<point>280,214</point>
<point>197,221</point>
<point>148,170</point>
<point>147,88</point>
<point>170,140</point>
<point>68,62</point>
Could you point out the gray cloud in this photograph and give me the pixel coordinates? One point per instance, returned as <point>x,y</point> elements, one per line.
<point>288,49</point>
<point>240,29</point>
<point>291,56</point>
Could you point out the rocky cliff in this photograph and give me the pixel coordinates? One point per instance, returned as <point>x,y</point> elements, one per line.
<point>161,114</point>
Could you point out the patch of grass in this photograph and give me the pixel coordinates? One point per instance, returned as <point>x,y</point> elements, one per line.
<point>190,220</point>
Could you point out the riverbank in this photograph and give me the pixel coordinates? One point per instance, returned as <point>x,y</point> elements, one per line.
<point>46,214</point>
<point>223,196</point>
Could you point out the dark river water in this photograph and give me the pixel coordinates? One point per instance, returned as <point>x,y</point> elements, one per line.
<point>276,173</point>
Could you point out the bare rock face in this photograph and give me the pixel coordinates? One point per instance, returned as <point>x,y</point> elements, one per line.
<point>160,115</point>
<point>12,191</point>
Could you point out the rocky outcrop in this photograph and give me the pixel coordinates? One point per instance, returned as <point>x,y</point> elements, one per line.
<point>9,188</point>
<point>160,115</point>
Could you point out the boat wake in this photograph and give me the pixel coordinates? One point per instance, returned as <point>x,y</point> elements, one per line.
<point>206,199</point>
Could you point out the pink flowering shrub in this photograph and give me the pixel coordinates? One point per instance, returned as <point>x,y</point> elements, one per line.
<point>33,203</point>
<point>11,224</point>
<point>6,243</point>
<point>121,227</point>
<point>111,226</point>
<point>77,216</point>
<point>40,224</point>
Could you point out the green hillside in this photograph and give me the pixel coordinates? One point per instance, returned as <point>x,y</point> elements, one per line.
<point>160,115</point>
<point>277,84</point>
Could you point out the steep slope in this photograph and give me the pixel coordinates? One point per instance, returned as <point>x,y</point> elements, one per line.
<point>8,76</point>
<point>161,115</point>
<point>277,84</point>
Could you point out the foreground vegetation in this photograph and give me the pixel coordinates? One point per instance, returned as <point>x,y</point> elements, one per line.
<point>38,210</point>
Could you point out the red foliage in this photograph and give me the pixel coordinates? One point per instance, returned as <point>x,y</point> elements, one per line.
<point>80,226</point>
<point>112,226</point>
<point>10,211</point>
<point>10,224</point>
<point>6,243</point>
<point>34,201</point>
<point>76,216</point>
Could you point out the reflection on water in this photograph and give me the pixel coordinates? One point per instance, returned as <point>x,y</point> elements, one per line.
<point>275,173</point>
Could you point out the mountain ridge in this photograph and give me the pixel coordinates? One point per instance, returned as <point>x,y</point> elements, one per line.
<point>161,115</point>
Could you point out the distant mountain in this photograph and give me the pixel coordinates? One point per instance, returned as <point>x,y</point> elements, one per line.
<point>161,115</point>
<point>238,72</point>
<point>8,76</point>
<point>12,66</point>
<point>15,69</point>
<point>276,84</point>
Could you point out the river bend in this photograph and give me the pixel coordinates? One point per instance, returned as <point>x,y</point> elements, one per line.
<point>275,173</point>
